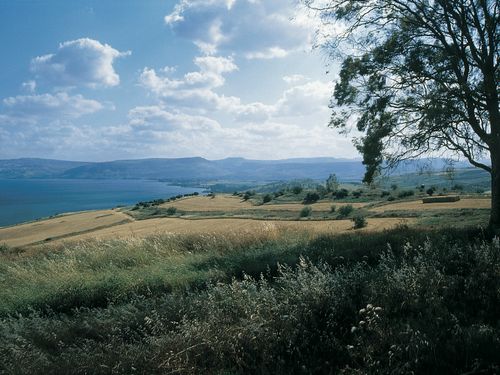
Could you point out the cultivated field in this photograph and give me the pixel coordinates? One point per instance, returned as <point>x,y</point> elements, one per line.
<point>112,224</point>
<point>225,203</point>
<point>61,226</point>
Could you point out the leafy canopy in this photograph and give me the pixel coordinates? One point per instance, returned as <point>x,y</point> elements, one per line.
<point>417,76</point>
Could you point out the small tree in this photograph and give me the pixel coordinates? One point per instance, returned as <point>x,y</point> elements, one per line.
<point>267,198</point>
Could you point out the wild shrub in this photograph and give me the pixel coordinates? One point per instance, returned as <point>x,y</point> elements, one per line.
<point>267,198</point>
<point>359,221</point>
<point>385,193</point>
<point>297,189</point>
<point>333,208</point>
<point>406,193</point>
<point>171,210</point>
<point>305,212</point>
<point>345,211</point>
<point>311,197</point>
<point>342,193</point>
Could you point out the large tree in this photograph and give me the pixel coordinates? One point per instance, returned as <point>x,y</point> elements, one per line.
<point>418,77</point>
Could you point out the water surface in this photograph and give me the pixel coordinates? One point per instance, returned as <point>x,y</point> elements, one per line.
<point>24,200</point>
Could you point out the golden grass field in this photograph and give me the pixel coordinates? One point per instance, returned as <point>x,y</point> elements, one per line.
<point>61,226</point>
<point>109,224</point>
<point>226,203</point>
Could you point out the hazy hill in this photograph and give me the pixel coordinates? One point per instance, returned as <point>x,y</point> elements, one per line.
<point>35,168</point>
<point>196,168</point>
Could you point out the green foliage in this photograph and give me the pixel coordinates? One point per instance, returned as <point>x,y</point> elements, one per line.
<point>171,211</point>
<point>377,303</point>
<point>431,191</point>
<point>267,198</point>
<point>346,210</point>
<point>333,208</point>
<point>359,221</point>
<point>406,193</point>
<point>297,189</point>
<point>420,45</point>
<point>311,197</point>
<point>357,193</point>
<point>342,193</point>
<point>248,195</point>
<point>305,212</point>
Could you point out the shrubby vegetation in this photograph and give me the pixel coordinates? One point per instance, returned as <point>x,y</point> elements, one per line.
<point>402,301</point>
<point>305,212</point>
<point>345,211</point>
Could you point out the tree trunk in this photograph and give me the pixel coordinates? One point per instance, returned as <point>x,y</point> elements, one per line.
<point>495,192</point>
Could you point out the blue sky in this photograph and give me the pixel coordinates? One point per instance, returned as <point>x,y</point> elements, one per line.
<point>104,80</point>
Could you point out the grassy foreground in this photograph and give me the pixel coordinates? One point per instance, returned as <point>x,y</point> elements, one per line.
<point>401,301</point>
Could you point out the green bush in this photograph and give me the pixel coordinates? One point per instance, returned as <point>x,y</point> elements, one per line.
<point>305,212</point>
<point>267,198</point>
<point>171,211</point>
<point>359,222</point>
<point>333,208</point>
<point>346,210</point>
<point>297,189</point>
<point>357,193</point>
<point>342,193</point>
<point>406,193</point>
<point>391,198</point>
<point>311,197</point>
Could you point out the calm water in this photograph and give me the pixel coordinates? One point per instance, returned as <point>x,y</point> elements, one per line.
<point>23,200</point>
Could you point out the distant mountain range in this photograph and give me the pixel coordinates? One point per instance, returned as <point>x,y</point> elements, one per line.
<point>200,169</point>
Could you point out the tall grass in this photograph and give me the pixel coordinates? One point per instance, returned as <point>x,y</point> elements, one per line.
<point>401,301</point>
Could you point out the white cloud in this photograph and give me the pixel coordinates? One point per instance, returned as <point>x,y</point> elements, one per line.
<point>59,105</point>
<point>294,78</point>
<point>81,62</point>
<point>253,28</point>
<point>194,89</point>
<point>267,54</point>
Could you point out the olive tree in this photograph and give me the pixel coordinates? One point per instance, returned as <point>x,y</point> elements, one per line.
<point>417,77</point>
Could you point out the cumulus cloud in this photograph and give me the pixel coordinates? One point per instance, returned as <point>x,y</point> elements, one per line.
<point>255,29</point>
<point>81,62</point>
<point>194,89</point>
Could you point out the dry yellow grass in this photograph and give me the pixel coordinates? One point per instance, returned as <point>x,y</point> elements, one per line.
<point>419,206</point>
<point>145,228</point>
<point>63,225</point>
<point>109,224</point>
<point>227,203</point>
